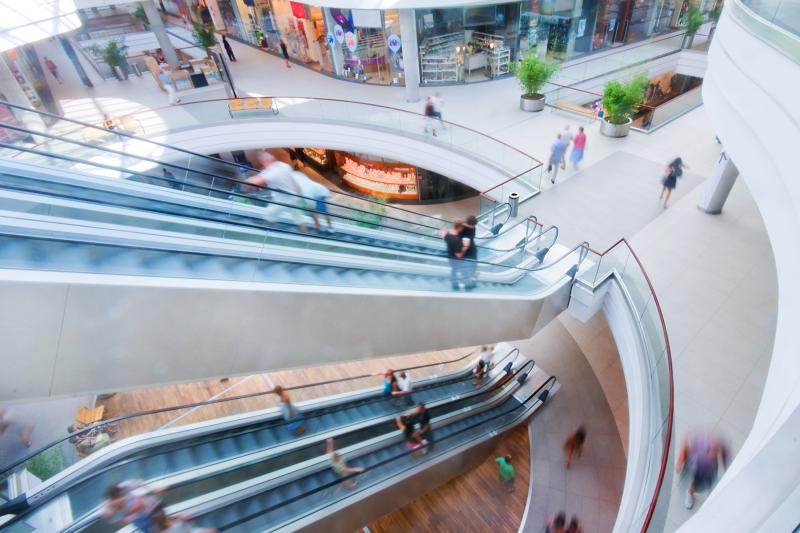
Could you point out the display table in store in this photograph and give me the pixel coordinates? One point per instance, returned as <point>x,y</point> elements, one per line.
<point>387,180</point>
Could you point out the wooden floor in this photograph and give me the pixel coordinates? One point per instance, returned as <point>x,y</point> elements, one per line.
<point>138,400</point>
<point>475,501</point>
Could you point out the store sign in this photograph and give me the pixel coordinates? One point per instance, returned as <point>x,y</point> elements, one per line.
<point>298,9</point>
<point>339,33</point>
<point>330,38</point>
<point>393,42</point>
<point>351,41</point>
<point>367,18</point>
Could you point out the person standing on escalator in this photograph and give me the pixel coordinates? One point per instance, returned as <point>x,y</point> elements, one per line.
<point>292,417</point>
<point>415,438</point>
<point>455,245</point>
<point>283,190</point>
<point>469,253</point>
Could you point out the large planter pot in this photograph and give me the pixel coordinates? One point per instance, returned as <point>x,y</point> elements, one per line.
<point>531,102</point>
<point>615,130</point>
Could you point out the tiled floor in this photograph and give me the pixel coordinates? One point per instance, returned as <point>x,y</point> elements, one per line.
<point>592,487</point>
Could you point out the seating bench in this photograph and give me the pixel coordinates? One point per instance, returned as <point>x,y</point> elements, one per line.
<point>251,105</point>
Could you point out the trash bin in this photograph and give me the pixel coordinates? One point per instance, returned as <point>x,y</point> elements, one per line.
<point>513,201</point>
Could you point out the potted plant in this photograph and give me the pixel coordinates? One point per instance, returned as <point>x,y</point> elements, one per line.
<point>532,73</point>
<point>694,19</point>
<point>141,16</point>
<point>620,102</point>
<point>114,55</point>
<point>204,37</point>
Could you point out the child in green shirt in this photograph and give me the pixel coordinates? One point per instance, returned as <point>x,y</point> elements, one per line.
<point>506,472</point>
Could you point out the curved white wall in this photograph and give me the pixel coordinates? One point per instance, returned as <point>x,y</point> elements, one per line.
<point>412,149</point>
<point>750,92</point>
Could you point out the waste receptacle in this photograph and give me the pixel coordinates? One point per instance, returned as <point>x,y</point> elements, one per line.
<point>513,201</point>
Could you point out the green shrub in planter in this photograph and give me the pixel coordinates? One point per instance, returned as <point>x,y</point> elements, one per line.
<point>48,463</point>
<point>622,100</point>
<point>204,36</point>
<point>532,73</point>
<point>694,19</point>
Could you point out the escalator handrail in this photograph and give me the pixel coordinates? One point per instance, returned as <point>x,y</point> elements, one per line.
<point>194,154</point>
<point>229,193</point>
<point>239,521</point>
<point>121,463</point>
<point>121,418</point>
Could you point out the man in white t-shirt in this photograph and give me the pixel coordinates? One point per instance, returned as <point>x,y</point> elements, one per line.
<point>404,387</point>
<point>277,175</point>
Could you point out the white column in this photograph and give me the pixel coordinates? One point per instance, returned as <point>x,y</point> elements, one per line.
<point>15,95</point>
<point>408,35</point>
<point>719,185</point>
<point>157,27</point>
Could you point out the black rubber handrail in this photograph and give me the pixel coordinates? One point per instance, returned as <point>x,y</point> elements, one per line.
<point>121,418</point>
<point>222,527</point>
<point>188,152</point>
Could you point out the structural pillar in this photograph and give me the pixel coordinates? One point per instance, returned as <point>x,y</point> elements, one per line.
<point>73,57</point>
<point>408,35</point>
<point>719,185</point>
<point>13,94</point>
<point>157,27</point>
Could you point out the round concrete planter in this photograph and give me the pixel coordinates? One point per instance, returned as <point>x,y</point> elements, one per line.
<point>615,130</point>
<point>531,103</point>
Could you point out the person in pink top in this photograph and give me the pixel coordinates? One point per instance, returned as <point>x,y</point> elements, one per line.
<point>578,146</point>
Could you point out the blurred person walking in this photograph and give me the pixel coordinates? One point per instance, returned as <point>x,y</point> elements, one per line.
<point>339,465</point>
<point>482,366</point>
<point>285,53</point>
<point>556,523</point>
<point>574,525</point>
<point>673,171</point>
<point>418,417</point>
<point>317,193</point>
<point>169,85</point>
<point>506,471</point>
<point>10,419</point>
<point>578,147</point>
<point>52,68</point>
<point>228,49</point>
<point>574,445</point>
<point>566,136</point>
<point>292,417</point>
<point>130,502</point>
<point>429,111</point>
<point>699,460</point>
<point>557,151</point>
<point>438,107</point>
<point>276,181</point>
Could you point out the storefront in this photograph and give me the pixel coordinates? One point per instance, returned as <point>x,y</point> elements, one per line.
<point>455,45</point>
<point>25,73</point>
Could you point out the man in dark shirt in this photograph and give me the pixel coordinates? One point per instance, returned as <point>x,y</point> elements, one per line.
<point>418,417</point>
<point>455,247</point>
<point>469,252</point>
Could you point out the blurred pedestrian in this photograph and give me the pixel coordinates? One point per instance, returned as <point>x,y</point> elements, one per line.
<point>673,171</point>
<point>483,364</point>
<point>228,49</point>
<point>276,181</point>
<point>339,465</point>
<point>573,446</point>
<point>389,381</point>
<point>574,525</point>
<point>455,244</point>
<point>10,420</point>
<point>429,112</point>
<point>557,151</point>
<point>52,68</point>
<point>699,459</point>
<point>416,436</point>
<point>469,253</point>
<point>316,193</point>
<point>285,53</point>
<point>170,177</point>
<point>168,83</point>
<point>506,472</point>
<point>556,524</point>
<point>578,147</point>
<point>130,502</point>
<point>566,136</point>
<point>438,107</point>
<point>292,417</point>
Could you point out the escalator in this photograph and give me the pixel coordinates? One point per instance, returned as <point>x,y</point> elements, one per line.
<point>195,461</point>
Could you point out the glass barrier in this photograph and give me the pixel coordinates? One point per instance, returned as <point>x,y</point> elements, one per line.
<point>782,13</point>
<point>621,262</point>
<point>83,441</point>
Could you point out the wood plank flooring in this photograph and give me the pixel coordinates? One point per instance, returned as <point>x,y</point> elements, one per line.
<point>475,501</point>
<point>138,400</point>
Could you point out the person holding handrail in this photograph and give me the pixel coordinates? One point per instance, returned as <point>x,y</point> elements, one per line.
<point>290,414</point>
<point>455,246</point>
<point>469,253</point>
<point>284,190</point>
<point>339,465</point>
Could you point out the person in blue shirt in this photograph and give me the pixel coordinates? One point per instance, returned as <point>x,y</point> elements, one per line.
<point>557,151</point>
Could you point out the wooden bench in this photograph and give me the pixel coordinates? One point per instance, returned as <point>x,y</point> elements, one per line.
<point>574,108</point>
<point>86,415</point>
<point>251,105</point>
